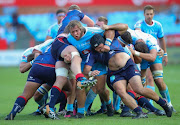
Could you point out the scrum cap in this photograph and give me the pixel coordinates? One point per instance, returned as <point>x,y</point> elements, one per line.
<point>96,40</point>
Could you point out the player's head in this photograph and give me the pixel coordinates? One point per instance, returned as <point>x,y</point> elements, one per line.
<point>60,14</point>
<point>74,7</point>
<point>101,20</point>
<point>125,38</point>
<point>97,43</point>
<point>149,12</point>
<point>141,47</point>
<point>76,29</point>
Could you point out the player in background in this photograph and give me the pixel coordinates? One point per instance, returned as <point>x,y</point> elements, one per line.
<point>74,13</point>
<point>153,27</point>
<point>53,29</point>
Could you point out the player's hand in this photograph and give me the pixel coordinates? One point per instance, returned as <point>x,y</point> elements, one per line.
<point>106,48</point>
<point>160,53</point>
<point>104,27</point>
<point>94,73</point>
<point>131,49</point>
<point>165,60</point>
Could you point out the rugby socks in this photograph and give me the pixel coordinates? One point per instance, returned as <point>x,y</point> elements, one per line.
<point>152,88</point>
<point>161,102</point>
<point>144,103</point>
<point>70,107</point>
<point>89,99</point>
<point>108,102</point>
<point>79,77</point>
<point>63,105</point>
<point>43,100</point>
<point>165,95</point>
<point>137,109</point>
<point>132,94</point>
<point>56,93</point>
<point>18,105</point>
<point>116,101</point>
<point>80,110</point>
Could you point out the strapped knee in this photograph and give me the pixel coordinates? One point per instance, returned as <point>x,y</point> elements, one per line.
<point>62,72</point>
<point>157,74</point>
<point>74,54</point>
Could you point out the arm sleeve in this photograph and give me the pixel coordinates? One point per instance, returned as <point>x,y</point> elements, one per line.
<point>81,15</point>
<point>160,31</point>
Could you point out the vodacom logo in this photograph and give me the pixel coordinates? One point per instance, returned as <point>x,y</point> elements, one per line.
<point>61,3</point>
<point>140,2</point>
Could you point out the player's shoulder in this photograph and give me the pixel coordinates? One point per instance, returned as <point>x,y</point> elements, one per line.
<point>140,21</point>
<point>157,23</point>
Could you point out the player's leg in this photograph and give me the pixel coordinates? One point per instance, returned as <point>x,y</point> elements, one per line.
<point>120,88</point>
<point>29,90</point>
<point>157,71</point>
<point>40,97</point>
<point>149,82</point>
<point>135,83</point>
<point>71,55</point>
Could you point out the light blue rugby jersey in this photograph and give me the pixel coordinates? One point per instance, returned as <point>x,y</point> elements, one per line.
<point>83,44</point>
<point>150,41</point>
<point>43,47</point>
<point>53,29</point>
<point>155,29</point>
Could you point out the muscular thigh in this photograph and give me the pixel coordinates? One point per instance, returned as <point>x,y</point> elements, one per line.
<point>29,89</point>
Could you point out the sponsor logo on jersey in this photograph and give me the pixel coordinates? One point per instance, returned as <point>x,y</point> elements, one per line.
<point>86,51</point>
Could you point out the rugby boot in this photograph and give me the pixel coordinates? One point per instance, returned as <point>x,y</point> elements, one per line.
<point>159,112</point>
<point>167,109</point>
<point>172,108</point>
<point>101,111</point>
<point>127,114</point>
<point>89,113</point>
<point>63,112</point>
<point>79,115</point>
<point>83,82</point>
<point>49,112</point>
<point>140,115</point>
<point>9,117</point>
<point>110,110</point>
<point>69,114</point>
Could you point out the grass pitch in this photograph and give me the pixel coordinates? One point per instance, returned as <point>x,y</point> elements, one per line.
<point>12,83</point>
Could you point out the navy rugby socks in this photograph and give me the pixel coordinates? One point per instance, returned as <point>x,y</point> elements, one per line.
<point>18,105</point>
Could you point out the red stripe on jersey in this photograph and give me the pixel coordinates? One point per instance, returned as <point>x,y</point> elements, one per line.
<point>60,39</point>
<point>46,65</point>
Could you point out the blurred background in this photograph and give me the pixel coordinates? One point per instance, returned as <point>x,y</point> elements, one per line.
<point>24,23</point>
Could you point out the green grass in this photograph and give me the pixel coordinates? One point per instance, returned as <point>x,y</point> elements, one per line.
<point>12,83</point>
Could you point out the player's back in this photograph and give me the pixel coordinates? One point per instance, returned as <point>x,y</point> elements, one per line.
<point>71,15</point>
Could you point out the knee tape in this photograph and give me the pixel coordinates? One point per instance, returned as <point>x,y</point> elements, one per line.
<point>157,74</point>
<point>74,54</point>
<point>62,72</point>
<point>42,90</point>
<point>143,80</point>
